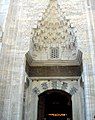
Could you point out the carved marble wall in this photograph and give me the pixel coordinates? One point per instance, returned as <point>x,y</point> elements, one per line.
<point>22,17</point>
<point>54,31</point>
<point>37,87</point>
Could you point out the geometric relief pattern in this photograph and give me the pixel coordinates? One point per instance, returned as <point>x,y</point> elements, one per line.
<point>44,86</point>
<point>64,86</point>
<point>36,90</point>
<point>73,90</point>
<point>54,84</point>
<point>69,87</point>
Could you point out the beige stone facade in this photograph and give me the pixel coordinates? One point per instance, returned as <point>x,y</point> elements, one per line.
<point>18,34</point>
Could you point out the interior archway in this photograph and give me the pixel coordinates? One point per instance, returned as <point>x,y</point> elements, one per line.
<point>54,105</point>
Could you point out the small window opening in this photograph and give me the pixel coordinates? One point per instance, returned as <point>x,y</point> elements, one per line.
<point>54,53</point>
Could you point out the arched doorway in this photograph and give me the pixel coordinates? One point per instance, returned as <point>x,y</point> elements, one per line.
<point>54,105</point>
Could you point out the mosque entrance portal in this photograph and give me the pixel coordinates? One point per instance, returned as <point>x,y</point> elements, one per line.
<point>54,105</point>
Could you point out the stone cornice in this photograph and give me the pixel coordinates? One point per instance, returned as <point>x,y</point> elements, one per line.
<point>77,61</point>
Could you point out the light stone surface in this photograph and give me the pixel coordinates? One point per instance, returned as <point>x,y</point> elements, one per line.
<point>35,88</point>
<point>54,33</point>
<point>4,5</point>
<point>21,18</point>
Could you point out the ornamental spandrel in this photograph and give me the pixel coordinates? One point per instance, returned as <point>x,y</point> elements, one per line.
<point>55,37</point>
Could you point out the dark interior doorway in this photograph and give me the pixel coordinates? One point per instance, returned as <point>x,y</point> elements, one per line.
<point>54,105</point>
